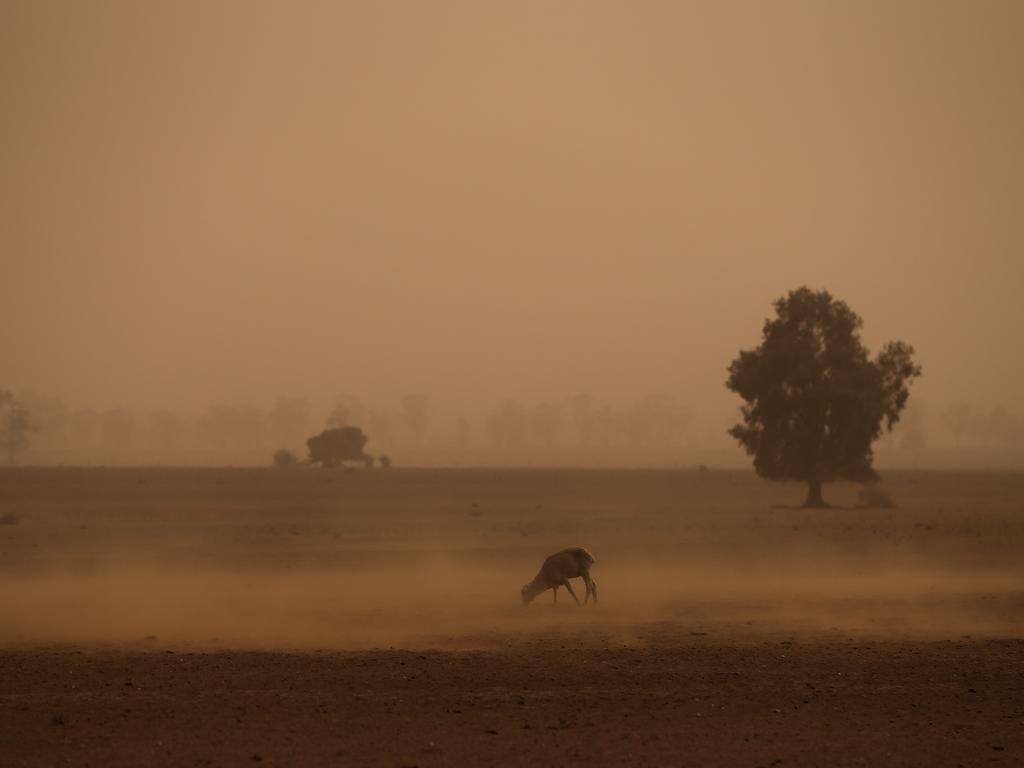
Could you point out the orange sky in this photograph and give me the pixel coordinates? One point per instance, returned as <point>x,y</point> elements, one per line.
<point>211,201</point>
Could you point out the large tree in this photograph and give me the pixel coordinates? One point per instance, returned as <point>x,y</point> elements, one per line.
<point>815,400</point>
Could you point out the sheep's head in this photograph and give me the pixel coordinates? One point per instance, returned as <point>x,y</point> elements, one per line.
<point>530,591</point>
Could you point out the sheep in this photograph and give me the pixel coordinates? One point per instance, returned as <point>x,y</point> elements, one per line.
<point>556,572</point>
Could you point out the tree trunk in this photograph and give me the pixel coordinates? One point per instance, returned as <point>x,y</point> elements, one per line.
<point>814,497</point>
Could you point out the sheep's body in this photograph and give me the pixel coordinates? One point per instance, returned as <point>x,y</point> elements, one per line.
<point>558,569</point>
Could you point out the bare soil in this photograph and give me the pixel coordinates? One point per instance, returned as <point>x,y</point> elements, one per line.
<point>187,617</point>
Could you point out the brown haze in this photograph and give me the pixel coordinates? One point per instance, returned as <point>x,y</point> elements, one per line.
<point>435,558</point>
<point>176,616</point>
<point>519,244</point>
<point>224,203</point>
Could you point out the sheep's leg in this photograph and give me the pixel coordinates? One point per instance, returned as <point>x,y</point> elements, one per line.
<point>555,593</point>
<point>593,590</point>
<point>568,586</point>
<point>590,588</point>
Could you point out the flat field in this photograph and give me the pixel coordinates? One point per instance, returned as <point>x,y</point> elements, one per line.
<point>249,616</point>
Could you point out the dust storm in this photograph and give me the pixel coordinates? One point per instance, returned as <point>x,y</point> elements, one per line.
<point>253,558</point>
<point>323,324</point>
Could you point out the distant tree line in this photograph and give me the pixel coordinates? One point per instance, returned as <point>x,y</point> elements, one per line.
<point>580,429</point>
<point>15,425</point>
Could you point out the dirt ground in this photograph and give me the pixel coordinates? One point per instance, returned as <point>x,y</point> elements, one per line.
<point>191,617</point>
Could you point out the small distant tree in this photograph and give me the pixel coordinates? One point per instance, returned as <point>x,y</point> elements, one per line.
<point>333,447</point>
<point>814,399</point>
<point>14,426</point>
<point>913,445</point>
<point>507,424</point>
<point>416,414</point>
<point>385,462</point>
<point>117,430</point>
<point>165,431</point>
<point>49,417</point>
<point>348,410</point>
<point>289,420</point>
<point>463,433</point>
<point>911,433</point>
<point>82,430</point>
<point>581,409</point>
<point>546,423</point>
<point>285,459</point>
<point>956,419</point>
<point>1002,428</point>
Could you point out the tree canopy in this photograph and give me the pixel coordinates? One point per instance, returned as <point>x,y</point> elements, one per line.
<point>332,447</point>
<point>814,400</point>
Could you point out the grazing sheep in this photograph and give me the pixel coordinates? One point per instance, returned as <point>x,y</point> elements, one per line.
<point>557,570</point>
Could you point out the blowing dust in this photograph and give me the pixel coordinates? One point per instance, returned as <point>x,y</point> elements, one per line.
<point>476,608</point>
<point>437,559</point>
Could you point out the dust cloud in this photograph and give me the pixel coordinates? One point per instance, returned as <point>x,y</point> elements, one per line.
<point>501,207</point>
<point>466,608</point>
<point>436,559</point>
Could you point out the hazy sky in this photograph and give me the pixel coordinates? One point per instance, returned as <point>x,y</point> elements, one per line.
<point>209,201</point>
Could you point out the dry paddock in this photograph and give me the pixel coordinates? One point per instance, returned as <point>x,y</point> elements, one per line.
<point>242,617</point>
